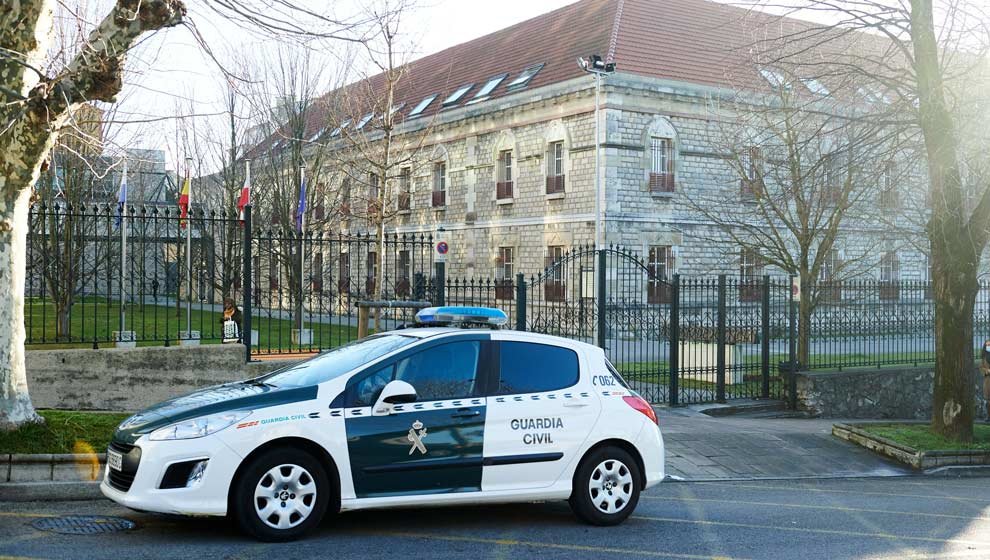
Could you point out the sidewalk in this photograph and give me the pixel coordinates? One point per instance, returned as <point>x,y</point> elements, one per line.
<point>700,447</point>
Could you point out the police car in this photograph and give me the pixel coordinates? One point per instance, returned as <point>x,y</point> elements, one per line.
<point>435,414</point>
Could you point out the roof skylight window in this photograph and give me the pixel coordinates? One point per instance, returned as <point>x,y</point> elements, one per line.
<point>396,108</point>
<point>525,76</point>
<point>815,87</point>
<point>488,88</point>
<point>422,105</point>
<point>339,129</point>
<point>364,120</point>
<point>775,79</point>
<point>317,135</point>
<point>457,95</point>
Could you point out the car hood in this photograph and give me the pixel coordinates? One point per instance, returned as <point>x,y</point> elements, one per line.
<point>219,398</point>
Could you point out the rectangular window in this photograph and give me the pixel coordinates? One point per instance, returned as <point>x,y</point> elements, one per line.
<point>661,164</point>
<point>402,273</point>
<point>364,120</point>
<point>405,189</point>
<point>660,266</point>
<point>446,371</point>
<point>316,273</point>
<point>504,273</point>
<point>273,274</point>
<point>829,288</point>
<point>439,184</point>
<point>558,368</point>
<point>554,287</point>
<point>888,192</point>
<point>524,77</point>
<point>488,88</point>
<point>374,191</point>
<point>344,272</point>
<point>752,183</point>
<point>371,272</point>
<point>555,168</point>
<point>503,187</point>
<point>345,196</point>
<point>890,276</point>
<point>750,275</point>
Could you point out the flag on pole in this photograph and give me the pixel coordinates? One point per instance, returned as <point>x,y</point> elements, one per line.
<point>245,198</point>
<point>184,203</point>
<point>301,206</point>
<point>121,198</point>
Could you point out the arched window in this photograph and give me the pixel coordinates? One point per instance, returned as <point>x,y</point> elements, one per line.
<point>506,167</point>
<point>661,160</point>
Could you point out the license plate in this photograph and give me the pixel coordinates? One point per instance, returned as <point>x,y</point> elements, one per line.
<point>115,460</point>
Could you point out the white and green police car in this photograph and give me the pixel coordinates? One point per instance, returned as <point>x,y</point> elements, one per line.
<point>416,416</point>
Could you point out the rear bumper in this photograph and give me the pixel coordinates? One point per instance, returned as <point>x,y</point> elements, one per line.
<point>651,449</point>
<point>206,497</point>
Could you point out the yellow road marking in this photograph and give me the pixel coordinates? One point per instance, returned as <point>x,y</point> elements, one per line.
<point>555,546</point>
<point>832,508</point>
<point>984,501</point>
<point>810,530</point>
<point>25,514</point>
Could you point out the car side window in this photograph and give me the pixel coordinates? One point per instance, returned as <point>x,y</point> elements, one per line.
<point>527,367</point>
<point>367,390</point>
<point>446,371</point>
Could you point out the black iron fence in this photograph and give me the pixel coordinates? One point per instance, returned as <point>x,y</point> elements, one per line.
<point>92,273</point>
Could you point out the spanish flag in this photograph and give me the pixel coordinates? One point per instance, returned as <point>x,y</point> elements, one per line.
<point>184,203</point>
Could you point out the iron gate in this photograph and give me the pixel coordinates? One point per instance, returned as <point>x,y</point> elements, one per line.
<point>674,339</point>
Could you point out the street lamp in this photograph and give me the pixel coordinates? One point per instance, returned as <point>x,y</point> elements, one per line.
<point>599,68</point>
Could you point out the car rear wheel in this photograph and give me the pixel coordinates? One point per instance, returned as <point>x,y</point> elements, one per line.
<point>282,494</point>
<point>606,487</point>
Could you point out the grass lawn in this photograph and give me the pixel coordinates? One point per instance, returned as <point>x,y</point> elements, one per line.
<point>63,432</point>
<point>920,436</point>
<point>154,323</point>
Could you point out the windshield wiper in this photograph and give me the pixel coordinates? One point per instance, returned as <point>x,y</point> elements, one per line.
<point>258,383</point>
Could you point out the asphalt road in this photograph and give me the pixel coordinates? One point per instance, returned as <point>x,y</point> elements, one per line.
<point>908,517</point>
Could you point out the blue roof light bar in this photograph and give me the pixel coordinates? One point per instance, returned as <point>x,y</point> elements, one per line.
<point>455,315</point>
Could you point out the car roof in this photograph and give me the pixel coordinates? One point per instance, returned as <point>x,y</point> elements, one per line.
<point>428,332</point>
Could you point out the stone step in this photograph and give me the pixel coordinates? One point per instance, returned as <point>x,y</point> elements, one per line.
<point>746,407</point>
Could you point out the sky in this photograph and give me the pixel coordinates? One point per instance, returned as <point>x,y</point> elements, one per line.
<point>173,68</point>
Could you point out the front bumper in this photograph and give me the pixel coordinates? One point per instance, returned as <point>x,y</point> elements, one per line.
<point>206,497</point>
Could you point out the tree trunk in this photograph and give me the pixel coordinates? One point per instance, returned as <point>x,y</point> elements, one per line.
<point>954,396</point>
<point>15,402</point>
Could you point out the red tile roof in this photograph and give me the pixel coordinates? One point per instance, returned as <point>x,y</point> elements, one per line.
<point>694,41</point>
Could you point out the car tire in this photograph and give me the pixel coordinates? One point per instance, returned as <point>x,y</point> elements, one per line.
<point>282,494</point>
<point>606,487</point>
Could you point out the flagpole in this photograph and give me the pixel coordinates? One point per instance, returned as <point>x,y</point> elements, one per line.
<point>123,251</point>
<point>302,256</point>
<point>189,251</point>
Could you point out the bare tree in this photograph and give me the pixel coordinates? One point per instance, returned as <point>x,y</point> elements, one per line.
<point>805,169</point>
<point>369,145</point>
<point>35,104</point>
<point>929,59</point>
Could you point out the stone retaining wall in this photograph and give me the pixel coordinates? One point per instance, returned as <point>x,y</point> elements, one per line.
<point>888,393</point>
<point>128,379</point>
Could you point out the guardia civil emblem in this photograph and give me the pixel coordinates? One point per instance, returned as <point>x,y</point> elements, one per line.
<point>416,435</point>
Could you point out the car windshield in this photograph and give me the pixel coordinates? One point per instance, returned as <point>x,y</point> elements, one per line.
<point>336,362</point>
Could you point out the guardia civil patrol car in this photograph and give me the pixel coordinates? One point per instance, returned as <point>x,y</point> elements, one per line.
<point>416,416</point>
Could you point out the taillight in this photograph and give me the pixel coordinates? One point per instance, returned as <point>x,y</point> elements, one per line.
<point>638,403</point>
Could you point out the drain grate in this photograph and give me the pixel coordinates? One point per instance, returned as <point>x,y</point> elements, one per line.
<point>83,524</point>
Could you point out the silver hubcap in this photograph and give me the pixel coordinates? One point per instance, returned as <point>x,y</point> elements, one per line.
<point>285,496</point>
<point>611,486</point>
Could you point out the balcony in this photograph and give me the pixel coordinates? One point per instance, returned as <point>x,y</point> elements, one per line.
<point>554,290</point>
<point>661,182</point>
<point>750,291</point>
<point>751,188</point>
<point>439,199</point>
<point>890,291</point>
<point>503,190</point>
<point>504,289</point>
<point>658,291</point>
<point>555,184</point>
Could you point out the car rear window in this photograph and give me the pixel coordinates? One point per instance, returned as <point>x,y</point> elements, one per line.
<point>528,367</point>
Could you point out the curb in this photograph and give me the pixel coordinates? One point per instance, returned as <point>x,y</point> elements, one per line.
<point>50,491</point>
<point>18,468</point>
<point>931,462</point>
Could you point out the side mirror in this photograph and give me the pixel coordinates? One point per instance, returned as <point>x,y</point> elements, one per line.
<point>396,392</point>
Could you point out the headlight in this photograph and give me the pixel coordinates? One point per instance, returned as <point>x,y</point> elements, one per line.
<point>198,427</point>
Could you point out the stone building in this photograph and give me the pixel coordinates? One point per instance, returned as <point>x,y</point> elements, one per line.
<point>508,170</point>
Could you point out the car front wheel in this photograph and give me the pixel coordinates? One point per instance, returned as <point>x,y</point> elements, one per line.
<point>606,487</point>
<point>282,494</point>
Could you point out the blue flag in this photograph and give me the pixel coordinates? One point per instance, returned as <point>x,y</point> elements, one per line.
<point>121,198</point>
<point>301,206</point>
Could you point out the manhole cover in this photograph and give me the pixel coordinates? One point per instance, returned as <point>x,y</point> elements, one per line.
<point>83,524</point>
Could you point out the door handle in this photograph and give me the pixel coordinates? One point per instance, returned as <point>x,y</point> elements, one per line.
<point>466,413</point>
<point>575,404</point>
